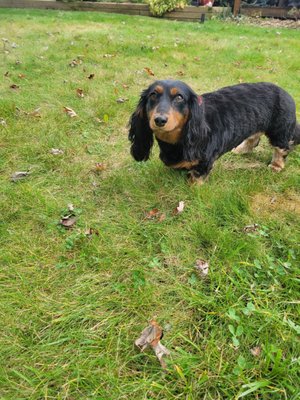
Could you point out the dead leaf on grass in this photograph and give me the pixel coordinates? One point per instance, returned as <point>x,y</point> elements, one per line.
<point>75,63</point>
<point>251,228</point>
<point>100,166</point>
<point>91,231</point>
<point>179,209</point>
<point>14,86</point>
<point>17,176</point>
<point>56,152</point>
<point>155,214</point>
<point>80,93</point>
<point>91,76</point>
<point>71,113</point>
<point>21,76</point>
<point>151,337</point>
<point>202,267</point>
<point>6,74</point>
<point>3,122</point>
<point>255,351</point>
<point>149,71</point>
<point>68,221</point>
<point>121,100</point>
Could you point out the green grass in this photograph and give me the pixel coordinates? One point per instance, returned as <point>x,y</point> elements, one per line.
<point>72,306</point>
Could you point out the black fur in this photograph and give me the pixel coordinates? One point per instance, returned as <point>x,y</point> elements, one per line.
<point>217,122</point>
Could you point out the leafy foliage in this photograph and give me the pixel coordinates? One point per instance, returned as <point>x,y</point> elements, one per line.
<point>160,7</point>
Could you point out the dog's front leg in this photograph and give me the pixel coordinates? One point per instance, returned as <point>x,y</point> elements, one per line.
<point>199,173</point>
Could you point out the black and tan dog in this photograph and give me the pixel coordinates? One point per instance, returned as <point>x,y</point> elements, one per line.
<point>193,131</point>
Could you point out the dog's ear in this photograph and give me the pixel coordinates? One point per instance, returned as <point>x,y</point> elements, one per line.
<point>195,135</point>
<point>140,134</point>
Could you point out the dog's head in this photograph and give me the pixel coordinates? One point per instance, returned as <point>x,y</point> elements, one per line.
<point>171,111</point>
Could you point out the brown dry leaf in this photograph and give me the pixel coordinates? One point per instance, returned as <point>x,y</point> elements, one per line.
<point>180,73</point>
<point>255,351</point>
<point>251,228</point>
<point>125,86</point>
<point>35,113</point>
<point>79,92</point>
<point>121,100</point>
<point>91,231</point>
<point>202,268</point>
<point>100,166</point>
<point>151,337</point>
<point>71,113</point>
<point>149,71</point>
<point>14,86</point>
<point>19,175</point>
<point>6,74</point>
<point>91,76</point>
<point>75,63</point>
<point>179,208</point>
<point>152,214</point>
<point>68,221</point>
<point>21,76</point>
<point>56,152</point>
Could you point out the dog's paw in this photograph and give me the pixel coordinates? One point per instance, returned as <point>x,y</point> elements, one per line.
<point>275,167</point>
<point>195,178</point>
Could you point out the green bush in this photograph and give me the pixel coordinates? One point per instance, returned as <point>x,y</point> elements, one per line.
<point>160,7</point>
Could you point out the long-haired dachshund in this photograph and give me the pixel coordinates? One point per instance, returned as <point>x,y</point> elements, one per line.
<point>193,131</point>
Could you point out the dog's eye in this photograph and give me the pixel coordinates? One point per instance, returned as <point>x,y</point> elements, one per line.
<point>153,95</point>
<point>179,98</point>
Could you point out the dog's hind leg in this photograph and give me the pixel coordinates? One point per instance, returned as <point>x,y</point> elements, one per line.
<point>248,145</point>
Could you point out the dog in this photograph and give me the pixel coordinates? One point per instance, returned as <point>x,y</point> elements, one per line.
<point>193,131</point>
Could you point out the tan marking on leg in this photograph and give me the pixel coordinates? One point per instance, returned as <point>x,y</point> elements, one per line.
<point>185,164</point>
<point>277,163</point>
<point>247,145</point>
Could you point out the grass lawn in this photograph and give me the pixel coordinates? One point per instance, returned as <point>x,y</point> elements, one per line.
<point>73,304</point>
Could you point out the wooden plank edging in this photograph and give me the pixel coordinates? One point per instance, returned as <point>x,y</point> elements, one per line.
<point>189,13</point>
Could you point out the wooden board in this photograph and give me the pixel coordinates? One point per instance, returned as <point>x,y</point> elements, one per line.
<point>271,12</point>
<point>189,13</point>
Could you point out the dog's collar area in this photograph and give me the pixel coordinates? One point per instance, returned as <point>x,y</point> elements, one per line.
<point>200,100</point>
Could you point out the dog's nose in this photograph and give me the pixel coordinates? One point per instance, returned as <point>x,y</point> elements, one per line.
<point>161,120</point>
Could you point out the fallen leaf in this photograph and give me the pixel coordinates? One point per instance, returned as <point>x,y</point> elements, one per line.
<point>71,113</point>
<point>151,337</point>
<point>70,207</point>
<point>2,122</point>
<point>91,76</point>
<point>152,214</point>
<point>100,166</point>
<point>121,100</point>
<point>91,231</point>
<point>75,63</point>
<point>256,351</point>
<point>109,55</point>
<point>202,268</point>
<point>14,86</point>
<point>19,175</point>
<point>180,73</point>
<point>79,92</point>
<point>149,71</point>
<point>56,152</point>
<point>125,86</point>
<point>6,74</point>
<point>251,228</point>
<point>68,221</point>
<point>18,62</point>
<point>179,208</point>
<point>35,113</point>
<point>21,76</point>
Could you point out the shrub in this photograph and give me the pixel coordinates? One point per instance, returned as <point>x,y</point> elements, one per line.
<point>160,7</point>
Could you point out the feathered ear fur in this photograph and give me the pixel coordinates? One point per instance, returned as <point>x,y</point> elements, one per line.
<point>140,134</point>
<point>195,137</point>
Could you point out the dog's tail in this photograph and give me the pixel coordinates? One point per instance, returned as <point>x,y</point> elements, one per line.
<point>296,138</point>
